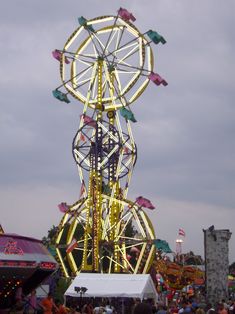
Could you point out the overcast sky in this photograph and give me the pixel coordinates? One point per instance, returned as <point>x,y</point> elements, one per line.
<point>185,131</point>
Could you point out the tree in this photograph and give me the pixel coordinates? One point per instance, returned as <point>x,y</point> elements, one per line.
<point>51,237</point>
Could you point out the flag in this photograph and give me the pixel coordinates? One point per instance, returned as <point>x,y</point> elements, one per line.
<point>63,207</point>
<point>82,138</point>
<point>144,202</point>
<point>83,189</point>
<point>126,15</point>
<point>88,120</point>
<point>162,245</point>
<point>73,244</point>
<point>127,114</point>
<point>181,232</point>
<point>155,37</point>
<point>83,22</point>
<point>61,96</point>
<point>57,55</point>
<point>157,79</point>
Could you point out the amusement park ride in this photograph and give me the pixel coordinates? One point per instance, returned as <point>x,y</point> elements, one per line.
<point>106,64</point>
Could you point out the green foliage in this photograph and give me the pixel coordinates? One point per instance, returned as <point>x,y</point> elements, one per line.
<point>51,237</point>
<point>232,268</point>
<point>61,286</point>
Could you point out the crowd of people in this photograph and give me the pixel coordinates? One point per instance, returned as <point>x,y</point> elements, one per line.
<point>103,306</point>
<point>186,307</point>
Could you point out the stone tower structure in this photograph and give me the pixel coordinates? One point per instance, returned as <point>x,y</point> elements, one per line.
<point>216,263</point>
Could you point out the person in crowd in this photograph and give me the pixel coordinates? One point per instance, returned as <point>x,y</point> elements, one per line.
<point>185,307</point>
<point>142,308</point>
<point>99,309</point>
<point>161,308</point>
<point>226,306</point>
<point>48,304</point>
<point>18,307</point>
<point>87,308</point>
<point>209,308</point>
<point>231,306</point>
<point>173,309</point>
<point>74,310</point>
<point>61,308</point>
<point>199,310</point>
<point>32,302</point>
<point>109,309</point>
<point>19,294</point>
<point>221,308</point>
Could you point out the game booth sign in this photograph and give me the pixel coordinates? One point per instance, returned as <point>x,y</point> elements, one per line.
<point>24,264</point>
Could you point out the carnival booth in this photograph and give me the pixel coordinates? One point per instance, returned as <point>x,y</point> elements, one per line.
<point>113,286</point>
<point>24,264</point>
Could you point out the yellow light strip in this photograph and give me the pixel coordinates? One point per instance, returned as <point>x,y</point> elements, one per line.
<point>140,257</point>
<point>94,88</point>
<point>107,157</point>
<point>81,82</point>
<point>109,29</point>
<point>148,262</point>
<point>63,221</point>
<point>119,221</point>
<point>100,20</point>
<point>119,164</point>
<point>119,127</point>
<point>71,232</point>
<point>73,37</point>
<point>118,80</point>
<point>62,263</point>
<point>130,132</point>
<point>115,138</point>
<point>82,47</point>
<point>136,244</point>
<point>135,43</point>
<point>123,252</point>
<point>111,259</point>
<point>73,71</point>
<point>138,222</point>
<point>72,263</point>
<point>127,163</point>
<point>150,58</point>
<point>111,39</point>
<point>126,72</point>
<point>128,54</point>
<point>143,215</point>
<point>129,28</point>
<point>87,161</point>
<point>85,62</point>
<point>81,178</point>
<point>123,227</point>
<point>139,91</point>
<point>131,82</point>
<point>97,38</point>
<point>141,58</point>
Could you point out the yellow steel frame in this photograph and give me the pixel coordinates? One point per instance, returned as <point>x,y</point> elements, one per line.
<point>139,46</point>
<point>104,218</point>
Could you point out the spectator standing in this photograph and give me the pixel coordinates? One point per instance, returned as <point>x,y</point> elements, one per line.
<point>32,302</point>
<point>142,308</point>
<point>48,304</point>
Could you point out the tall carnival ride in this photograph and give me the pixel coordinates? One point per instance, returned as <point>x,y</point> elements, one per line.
<point>106,64</point>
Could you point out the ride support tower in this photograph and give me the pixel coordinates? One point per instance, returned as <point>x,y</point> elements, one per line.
<point>106,64</point>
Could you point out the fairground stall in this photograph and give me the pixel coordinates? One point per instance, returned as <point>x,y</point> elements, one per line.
<point>24,264</point>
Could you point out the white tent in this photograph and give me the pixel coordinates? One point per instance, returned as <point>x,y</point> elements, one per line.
<point>113,285</point>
